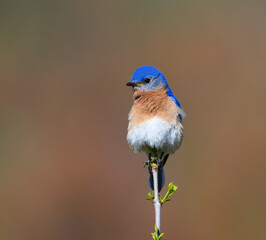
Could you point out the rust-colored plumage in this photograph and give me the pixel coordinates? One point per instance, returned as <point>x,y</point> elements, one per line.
<point>153,103</point>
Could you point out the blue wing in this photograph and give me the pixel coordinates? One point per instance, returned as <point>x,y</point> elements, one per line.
<point>172,96</point>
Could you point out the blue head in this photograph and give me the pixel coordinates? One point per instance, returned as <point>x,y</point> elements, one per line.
<point>150,78</point>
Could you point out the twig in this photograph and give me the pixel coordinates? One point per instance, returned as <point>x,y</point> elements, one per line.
<point>156,201</point>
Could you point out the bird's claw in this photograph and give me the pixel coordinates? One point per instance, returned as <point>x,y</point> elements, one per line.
<point>146,163</point>
<point>159,162</point>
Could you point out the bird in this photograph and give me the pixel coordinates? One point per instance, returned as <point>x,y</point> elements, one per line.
<point>155,119</point>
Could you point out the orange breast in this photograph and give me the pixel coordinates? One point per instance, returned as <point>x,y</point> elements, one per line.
<point>149,104</point>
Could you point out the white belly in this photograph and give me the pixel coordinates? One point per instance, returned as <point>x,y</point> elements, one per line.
<point>157,134</point>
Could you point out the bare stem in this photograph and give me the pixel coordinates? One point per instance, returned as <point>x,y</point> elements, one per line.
<point>156,201</point>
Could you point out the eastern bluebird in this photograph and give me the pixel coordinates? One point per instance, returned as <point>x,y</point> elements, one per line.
<point>155,120</point>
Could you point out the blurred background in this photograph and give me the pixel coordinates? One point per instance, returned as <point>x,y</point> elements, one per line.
<point>66,170</point>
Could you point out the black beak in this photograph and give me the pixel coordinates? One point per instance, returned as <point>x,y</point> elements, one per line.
<point>131,84</point>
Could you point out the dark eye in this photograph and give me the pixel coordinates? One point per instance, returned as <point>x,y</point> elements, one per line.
<point>147,80</point>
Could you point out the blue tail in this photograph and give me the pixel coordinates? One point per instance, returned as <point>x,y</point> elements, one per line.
<point>161,179</point>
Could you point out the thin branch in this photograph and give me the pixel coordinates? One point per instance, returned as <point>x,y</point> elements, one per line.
<point>156,201</point>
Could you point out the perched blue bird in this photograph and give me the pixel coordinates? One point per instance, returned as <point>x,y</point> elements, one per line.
<point>155,120</point>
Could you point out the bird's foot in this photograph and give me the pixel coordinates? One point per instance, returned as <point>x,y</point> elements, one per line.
<point>148,163</point>
<point>160,160</point>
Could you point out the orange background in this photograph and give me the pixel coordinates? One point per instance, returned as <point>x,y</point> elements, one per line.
<point>66,169</point>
